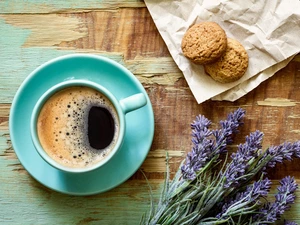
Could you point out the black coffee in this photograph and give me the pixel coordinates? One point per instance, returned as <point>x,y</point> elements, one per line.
<point>101,127</point>
<point>78,127</point>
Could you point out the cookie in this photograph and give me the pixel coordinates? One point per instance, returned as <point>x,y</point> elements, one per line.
<point>231,66</point>
<point>204,42</point>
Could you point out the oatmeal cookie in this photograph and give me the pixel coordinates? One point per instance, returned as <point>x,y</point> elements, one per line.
<point>231,66</point>
<point>204,42</point>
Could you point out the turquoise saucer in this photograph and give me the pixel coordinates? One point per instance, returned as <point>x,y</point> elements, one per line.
<point>111,75</point>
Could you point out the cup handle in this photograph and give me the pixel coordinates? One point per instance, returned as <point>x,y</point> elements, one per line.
<point>133,102</point>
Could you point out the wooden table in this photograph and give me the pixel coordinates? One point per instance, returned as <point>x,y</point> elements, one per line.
<point>33,32</point>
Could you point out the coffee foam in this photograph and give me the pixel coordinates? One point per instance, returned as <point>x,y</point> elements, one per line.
<point>63,126</point>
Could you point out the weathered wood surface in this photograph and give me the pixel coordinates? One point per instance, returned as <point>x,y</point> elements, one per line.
<point>35,31</point>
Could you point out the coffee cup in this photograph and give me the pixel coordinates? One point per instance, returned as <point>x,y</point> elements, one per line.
<point>78,125</point>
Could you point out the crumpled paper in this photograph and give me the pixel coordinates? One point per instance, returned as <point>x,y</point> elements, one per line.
<point>268,29</point>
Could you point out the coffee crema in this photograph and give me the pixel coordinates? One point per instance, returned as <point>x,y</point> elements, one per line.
<point>78,127</point>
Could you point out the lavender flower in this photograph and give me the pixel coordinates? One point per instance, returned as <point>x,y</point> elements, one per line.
<point>296,147</point>
<point>285,151</point>
<point>198,189</point>
<point>230,126</point>
<point>245,199</point>
<point>201,150</point>
<point>283,200</point>
<point>236,169</point>
<point>252,145</point>
<point>286,222</point>
<point>204,147</point>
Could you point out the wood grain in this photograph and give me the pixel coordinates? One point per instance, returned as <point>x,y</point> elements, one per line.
<point>33,32</point>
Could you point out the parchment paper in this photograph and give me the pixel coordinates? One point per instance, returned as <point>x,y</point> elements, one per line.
<point>268,29</point>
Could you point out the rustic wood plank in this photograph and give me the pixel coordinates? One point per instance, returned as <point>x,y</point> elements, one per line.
<point>126,30</point>
<point>43,6</point>
<point>30,40</point>
<point>42,29</point>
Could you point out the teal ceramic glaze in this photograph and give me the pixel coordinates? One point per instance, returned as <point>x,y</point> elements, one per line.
<point>121,83</point>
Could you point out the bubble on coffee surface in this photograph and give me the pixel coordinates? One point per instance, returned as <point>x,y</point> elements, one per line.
<point>63,127</point>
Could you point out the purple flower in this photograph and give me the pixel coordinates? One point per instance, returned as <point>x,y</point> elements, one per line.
<point>201,150</point>
<point>285,151</point>
<point>296,147</point>
<point>286,222</point>
<point>235,170</point>
<point>207,191</point>
<point>246,198</point>
<point>252,145</point>
<point>229,127</point>
<point>207,144</point>
<point>283,200</point>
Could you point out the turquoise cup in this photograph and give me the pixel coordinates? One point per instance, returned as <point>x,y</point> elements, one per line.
<point>122,107</point>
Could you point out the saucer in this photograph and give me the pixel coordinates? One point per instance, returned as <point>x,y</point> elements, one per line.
<point>121,83</point>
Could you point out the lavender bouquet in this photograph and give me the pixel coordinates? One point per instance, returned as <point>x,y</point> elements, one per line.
<point>212,188</point>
